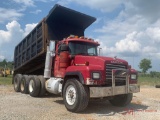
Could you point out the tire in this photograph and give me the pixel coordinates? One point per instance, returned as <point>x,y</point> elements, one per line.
<point>42,86</point>
<point>122,100</point>
<point>24,84</point>
<point>73,88</point>
<point>17,79</point>
<point>157,86</point>
<point>34,86</point>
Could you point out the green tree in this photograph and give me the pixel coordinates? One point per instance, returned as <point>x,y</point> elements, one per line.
<point>8,64</point>
<point>145,64</point>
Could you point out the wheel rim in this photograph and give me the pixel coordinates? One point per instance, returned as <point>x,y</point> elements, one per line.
<point>31,85</point>
<point>70,95</point>
<point>15,83</point>
<point>22,85</point>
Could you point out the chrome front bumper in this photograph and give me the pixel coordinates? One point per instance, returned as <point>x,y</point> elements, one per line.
<point>97,92</point>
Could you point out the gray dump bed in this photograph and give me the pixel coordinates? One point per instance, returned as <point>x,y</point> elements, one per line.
<point>29,55</point>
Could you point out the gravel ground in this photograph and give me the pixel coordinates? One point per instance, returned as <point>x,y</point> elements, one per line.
<point>16,106</point>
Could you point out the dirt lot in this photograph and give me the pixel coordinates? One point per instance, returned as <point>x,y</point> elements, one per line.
<point>16,106</point>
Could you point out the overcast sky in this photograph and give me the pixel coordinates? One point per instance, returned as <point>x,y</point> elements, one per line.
<point>128,29</point>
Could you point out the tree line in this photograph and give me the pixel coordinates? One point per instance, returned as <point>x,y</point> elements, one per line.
<point>145,65</point>
<point>6,64</point>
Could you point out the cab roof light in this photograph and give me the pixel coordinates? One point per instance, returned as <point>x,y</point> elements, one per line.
<point>71,36</point>
<point>90,39</point>
<point>82,37</point>
<point>76,36</point>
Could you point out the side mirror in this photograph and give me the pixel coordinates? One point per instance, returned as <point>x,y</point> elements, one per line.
<point>64,47</point>
<point>100,51</point>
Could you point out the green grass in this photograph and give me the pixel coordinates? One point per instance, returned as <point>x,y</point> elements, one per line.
<point>6,80</point>
<point>141,81</point>
<point>148,81</point>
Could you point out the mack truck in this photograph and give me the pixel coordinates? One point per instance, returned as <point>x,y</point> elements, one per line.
<point>56,57</point>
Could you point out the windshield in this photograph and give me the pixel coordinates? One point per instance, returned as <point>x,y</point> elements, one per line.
<point>82,48</point>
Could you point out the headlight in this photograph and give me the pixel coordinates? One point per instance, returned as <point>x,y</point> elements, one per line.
<point>133,77</point>
<point>96,75</point>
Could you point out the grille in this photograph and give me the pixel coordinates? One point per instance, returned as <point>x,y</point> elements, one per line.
<point>118,80</point>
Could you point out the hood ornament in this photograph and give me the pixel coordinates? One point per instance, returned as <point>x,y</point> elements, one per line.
<point>115,57</point>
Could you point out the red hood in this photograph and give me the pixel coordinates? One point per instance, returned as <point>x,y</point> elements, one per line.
<point>98,60</point>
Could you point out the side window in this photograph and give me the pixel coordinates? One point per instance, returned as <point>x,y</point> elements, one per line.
<point>91,50</point>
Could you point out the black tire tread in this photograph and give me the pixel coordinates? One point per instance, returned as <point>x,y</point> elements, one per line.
<point>84,99</point>
<point>26,83</point>
<point>42,86</point>
<point>18,76</point>
<point>36,89</point>
<point>83,95</point>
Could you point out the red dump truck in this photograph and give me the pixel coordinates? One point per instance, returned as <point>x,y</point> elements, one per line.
<point>55,57</point>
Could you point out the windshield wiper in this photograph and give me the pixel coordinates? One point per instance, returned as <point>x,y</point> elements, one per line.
<point>82,53</point>
<point>92,54</point>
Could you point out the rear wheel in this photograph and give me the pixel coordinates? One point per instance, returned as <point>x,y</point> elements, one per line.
<point>34,86</point>
<point>42,86</point>
<point>122,100</point>
<point>17,79</point>
<point>75,95</point>
<point>24,84</point>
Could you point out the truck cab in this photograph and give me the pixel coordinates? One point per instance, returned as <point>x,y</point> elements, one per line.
<point>78,65</point>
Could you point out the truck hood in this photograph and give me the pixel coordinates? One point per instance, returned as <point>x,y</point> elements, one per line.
<point>98,60</point>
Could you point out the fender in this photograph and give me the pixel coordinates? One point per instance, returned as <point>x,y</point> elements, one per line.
<point>75,73</point>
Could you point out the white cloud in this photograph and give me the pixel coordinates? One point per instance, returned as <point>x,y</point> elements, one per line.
<point>25,2</point>
<point>154,33</point>
<point>13,28</point>
<point>117,35</point>
<point>45,0</point>
<point>149,49</point>
<point>14,32</point>
<point>103,5</point>
<point>9,14</point>
<point>146,9</point>
<point>2,57</point>
<point>11,37</point>
<point>128,45</point>
<point>36,12</point>
<point>28,28</point>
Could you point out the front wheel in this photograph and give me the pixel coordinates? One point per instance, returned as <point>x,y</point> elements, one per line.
<point>75,95</point>
<point>121,100</point>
